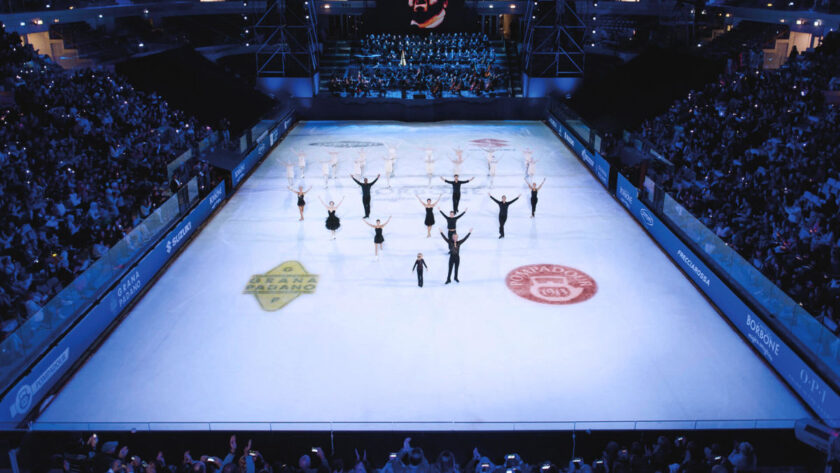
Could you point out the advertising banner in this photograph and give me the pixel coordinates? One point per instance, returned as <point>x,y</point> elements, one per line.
<point>31,389</point>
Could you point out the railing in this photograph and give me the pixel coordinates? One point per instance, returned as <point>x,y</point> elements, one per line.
<point>42,328</point>
<point>816,342</point>
<point>431,426</point>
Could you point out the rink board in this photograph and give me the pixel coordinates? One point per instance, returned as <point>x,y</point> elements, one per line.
<point>364,348</point>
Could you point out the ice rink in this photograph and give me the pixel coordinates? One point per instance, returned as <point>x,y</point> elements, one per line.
<point>368,349</point>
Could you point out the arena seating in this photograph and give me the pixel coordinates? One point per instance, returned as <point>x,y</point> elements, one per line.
<point>755,157</point>
<point>85,159</point>
<point>657,454</point>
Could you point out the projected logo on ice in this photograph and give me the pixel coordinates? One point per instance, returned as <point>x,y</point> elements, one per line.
<point>551,284</point>
<point>281,285</point>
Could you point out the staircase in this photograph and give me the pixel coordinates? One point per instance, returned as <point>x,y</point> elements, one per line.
<point>335,60</point>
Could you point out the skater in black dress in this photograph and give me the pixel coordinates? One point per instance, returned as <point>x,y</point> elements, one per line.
<point>456,190</point>
<point>419,264</point>
<point>300,193</point>
<point>333,221</point>
<point>451,220</point>
<point>366,192</point>
<point>534,189</point>
<point>454,253</point>
<point>430,213</point>
<point>503,209</point>
<point>378,239</point>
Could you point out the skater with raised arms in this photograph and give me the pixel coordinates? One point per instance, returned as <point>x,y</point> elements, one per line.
<point>301,203</point>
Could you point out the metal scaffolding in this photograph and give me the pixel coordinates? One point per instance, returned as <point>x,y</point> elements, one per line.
<point>286,38</point>
<point>553,43</point>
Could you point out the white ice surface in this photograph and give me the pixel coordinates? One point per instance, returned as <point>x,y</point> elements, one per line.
<point>370,346</point>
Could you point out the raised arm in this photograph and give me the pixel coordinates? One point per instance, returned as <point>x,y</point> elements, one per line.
<point>374,181</point>
<point>386,221</point>
<point>354,180</point>
<point>494,199</point>
<point>462,214</point>
<point>514,200</point>
<point>339,202</point>
<point>420,200</point>
<point>444,215</point>
<point>444,237</point>
<point>322,202</point>
<point>290,188</point>
<point>438,199</point>
<point>368,224</point>
<point>541,184</point>
<point>461,242</point>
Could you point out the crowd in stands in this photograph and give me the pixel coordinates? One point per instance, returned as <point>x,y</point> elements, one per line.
<point>452,65</point>
<point>663,455</point>
<point>756,157</point>
<point>84,160</point>
<point>742,47</point>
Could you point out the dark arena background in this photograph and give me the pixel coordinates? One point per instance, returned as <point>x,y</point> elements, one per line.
<point>419,236</point>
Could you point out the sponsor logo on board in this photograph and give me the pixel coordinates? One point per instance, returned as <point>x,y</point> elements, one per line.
<point>281,285</point>
<point>647,217</point>
<point>24,396</point>
<point>551,284</point>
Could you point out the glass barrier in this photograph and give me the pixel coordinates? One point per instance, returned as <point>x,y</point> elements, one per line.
<point>815,336</point>
<point>812,335</point>
<point>29,340</point>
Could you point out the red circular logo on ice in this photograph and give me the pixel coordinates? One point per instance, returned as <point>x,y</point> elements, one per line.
<point>551,284</point>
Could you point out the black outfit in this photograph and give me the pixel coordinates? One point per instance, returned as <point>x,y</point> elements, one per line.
<point>503,208</point>
<point>332,221</point>
<point>419,264</point>
<point>366,194</point>
<point>454,255</point>
<point>301,202</point>
<point>378,238</point>
<point>451,222</point>
<point>456,193</point>
<point>533,202</point>
<point>430,217</point>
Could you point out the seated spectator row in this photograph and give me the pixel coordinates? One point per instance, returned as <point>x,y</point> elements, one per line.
<point>84,158</point>
<point>456,48</point>
<point>662,455</point>
<point>755,157</point>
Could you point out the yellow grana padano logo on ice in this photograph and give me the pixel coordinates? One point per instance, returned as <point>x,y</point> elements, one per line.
<point>281,285</point>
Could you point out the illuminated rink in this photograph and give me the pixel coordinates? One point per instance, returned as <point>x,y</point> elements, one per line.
<point>370,350</point>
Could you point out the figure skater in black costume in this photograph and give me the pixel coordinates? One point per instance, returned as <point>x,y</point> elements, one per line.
<point>300,193</point>
<point>454,253</point>
<point>419,264</point>
<point>503,208</point>
<point>366,192</point>
<point>430,213</point>
<point>378,239</point>
<point>333,221</point>
<point>534,189</point>
<point>451,220</point>
<point>456,190</point>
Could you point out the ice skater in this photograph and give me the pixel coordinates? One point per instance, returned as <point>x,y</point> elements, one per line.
<point>534,189</point>
<point>451,220</point>
<point>389,169</point>
<point>378,238</point>
<point>419,264</point>
<point>491,167</point>
<point>333,222</point>
<point>458,161</point>
<point>365,192</point>
<point>301,162</point>
<point>362,161</point>
<point>300,193</point>
<point>454,253</point>
<point>531,169</point>
<point>333,163</point>
<point>456,190</point>
<point>325,171</point>
<point>529,162</point>
<point>430,166</point>
<point>290,172</point>
<point>430,213</point>
<point>503,211</point>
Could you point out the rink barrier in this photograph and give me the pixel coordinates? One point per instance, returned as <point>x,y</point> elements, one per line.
<point>787,363</point>
<point>264,143</point>
<point>42,377</point>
